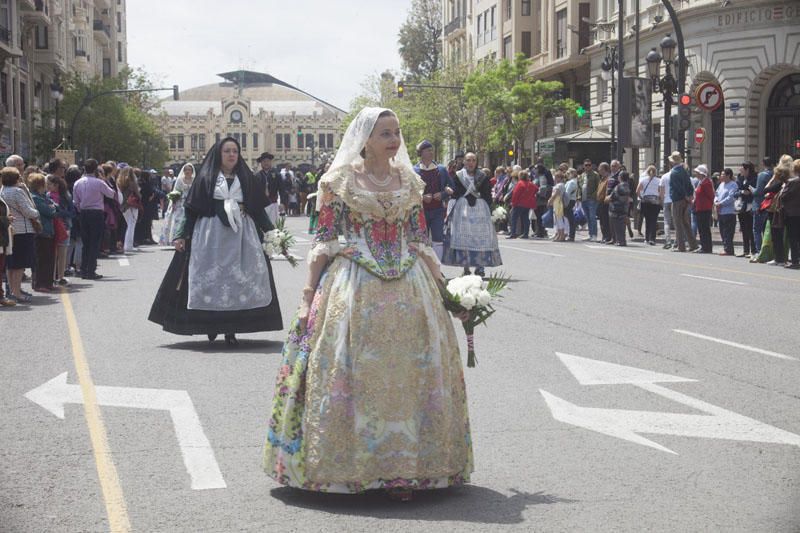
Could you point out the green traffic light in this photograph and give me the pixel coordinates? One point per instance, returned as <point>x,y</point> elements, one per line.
<point>580,111</point>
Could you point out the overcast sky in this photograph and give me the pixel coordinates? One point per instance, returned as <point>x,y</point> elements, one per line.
<point>324,47</point>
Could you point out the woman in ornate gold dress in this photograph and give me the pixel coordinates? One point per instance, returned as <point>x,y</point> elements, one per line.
<point>370,393</point>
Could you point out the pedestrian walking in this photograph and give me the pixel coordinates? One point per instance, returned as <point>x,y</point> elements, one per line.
<point>175,212</point>
<point>470,238</point>
<point>220,280</point>
<point>619,205</point>
<point>438,189</point>
<point>370,392</point>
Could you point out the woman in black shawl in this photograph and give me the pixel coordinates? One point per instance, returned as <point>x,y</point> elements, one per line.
<point>220,280</point>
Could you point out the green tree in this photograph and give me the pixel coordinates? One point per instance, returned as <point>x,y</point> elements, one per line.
<point>513,102</point>
<point>118,127</point>
<point>419,39</point>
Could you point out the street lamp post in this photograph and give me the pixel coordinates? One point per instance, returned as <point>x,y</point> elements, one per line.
<point>608,69</point>
<point>57,93</point>
<point>666,85</point>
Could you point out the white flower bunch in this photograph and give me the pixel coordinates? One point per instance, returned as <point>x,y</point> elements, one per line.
<point>499,214</point>
<point>469,291</point>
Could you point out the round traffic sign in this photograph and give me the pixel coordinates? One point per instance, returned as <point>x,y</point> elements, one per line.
<point>708,96</point>
<point>699,135</point>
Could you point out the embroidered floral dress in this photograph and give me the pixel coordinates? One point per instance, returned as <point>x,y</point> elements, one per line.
<point>372,395</point>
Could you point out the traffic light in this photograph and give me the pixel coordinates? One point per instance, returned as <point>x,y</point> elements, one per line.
<point>299,132</point>
<point>684,112</point>
<point>797,144</point>
<point>175,93</point>
<point>400,88</point>
<point>510,152</point>
<point>580,111</point>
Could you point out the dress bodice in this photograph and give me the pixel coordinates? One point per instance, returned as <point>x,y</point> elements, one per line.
<point>382,231</point>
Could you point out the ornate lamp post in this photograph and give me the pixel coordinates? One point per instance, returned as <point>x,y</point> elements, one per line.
<point>666,85</point>
<point>57,94</point>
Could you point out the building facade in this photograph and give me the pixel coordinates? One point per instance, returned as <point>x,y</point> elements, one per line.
<point>262,112</point>
<point>42,40</point>
<point>749,50</point>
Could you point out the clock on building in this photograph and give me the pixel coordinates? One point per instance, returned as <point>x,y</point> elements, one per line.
<point>236,116</point>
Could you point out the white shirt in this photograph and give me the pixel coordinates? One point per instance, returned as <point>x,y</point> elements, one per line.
<point>649,186</point>
<point>665,186</point>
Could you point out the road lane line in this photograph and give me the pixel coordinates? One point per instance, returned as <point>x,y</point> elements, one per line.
<point>123,261</point>
<point>116,509</point>
<point>753,273</point>
<point>714,279</point>
<point>620,248</point>
<point>530,251</point>
<point>735,345</point>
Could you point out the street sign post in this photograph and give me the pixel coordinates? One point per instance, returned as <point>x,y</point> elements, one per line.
<point>708,96</point>
<point>699,135</point>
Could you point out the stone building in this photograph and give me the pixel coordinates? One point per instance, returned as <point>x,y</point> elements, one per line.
<point>264,113</point>
<point>750,51</point>
<point>42,40</point>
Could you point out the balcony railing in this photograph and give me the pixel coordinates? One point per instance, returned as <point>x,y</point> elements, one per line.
<point>98,25</point>
<point>80,53</point>
<point>455,24</point>
<point>41,5</point>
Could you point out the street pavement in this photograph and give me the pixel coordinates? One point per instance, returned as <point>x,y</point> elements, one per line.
<point>617,389</point>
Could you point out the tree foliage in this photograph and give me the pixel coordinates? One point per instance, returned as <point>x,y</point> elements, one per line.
<point>419,40</point>
<point>512,101</point>
<point>110,126</point>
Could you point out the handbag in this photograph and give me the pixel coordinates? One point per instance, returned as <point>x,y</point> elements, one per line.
<point>547,218</point>
<point>579,214</point>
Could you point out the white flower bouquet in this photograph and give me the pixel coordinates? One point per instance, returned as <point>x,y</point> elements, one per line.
<point>499,214</point>
<point>279,242</point>
<point>473,296</point>
<point>173,196</point>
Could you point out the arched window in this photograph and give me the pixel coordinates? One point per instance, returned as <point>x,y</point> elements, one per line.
<point>783,117</point>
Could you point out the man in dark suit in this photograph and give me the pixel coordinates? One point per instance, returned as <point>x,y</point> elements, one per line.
<point>269,182</point>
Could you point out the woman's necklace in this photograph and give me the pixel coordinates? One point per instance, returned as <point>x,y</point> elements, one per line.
<point>379,183</point>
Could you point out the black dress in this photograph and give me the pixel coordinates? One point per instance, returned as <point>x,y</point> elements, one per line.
<point>170,310</point>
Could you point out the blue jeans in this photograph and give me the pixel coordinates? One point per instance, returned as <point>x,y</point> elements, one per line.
<point>759,222</point>
<point>590,207</point>
<point>693,217</point>
<point>520,219</point>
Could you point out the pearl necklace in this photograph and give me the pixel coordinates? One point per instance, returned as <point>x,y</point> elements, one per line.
<point>379,183</point>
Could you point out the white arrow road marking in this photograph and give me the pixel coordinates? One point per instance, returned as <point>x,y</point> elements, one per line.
<point>735,344</point>
<point>627,424</point>
<point>714,279</point>
<point>198,456</point>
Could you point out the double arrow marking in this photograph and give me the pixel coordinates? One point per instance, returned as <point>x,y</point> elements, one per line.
<point>198,456</point>
<point>628,425</point>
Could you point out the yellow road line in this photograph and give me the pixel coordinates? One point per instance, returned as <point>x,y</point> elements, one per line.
<point>116,509</point>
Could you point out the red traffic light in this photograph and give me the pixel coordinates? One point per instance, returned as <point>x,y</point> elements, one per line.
<point>797,144</point>
<point>685,99</point>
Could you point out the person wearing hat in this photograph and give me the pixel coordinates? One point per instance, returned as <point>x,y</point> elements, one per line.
<point>438,188</point>
<point>269,184</point>
<point>681,192</point>
<point>703,205</point>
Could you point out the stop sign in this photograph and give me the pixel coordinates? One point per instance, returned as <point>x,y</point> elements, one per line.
<point>699,135</point>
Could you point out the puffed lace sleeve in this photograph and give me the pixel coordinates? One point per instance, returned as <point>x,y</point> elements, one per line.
<point>417,234</point>
<point>329,225</point>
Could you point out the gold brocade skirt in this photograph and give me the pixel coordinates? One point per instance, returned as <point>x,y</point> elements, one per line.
<point>372,395</point>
